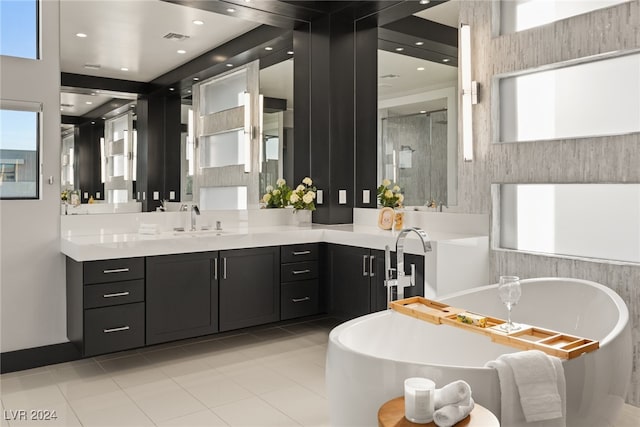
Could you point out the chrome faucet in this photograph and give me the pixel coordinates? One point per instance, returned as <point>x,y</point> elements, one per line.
<point>194,211</point>
<point>401,280</point>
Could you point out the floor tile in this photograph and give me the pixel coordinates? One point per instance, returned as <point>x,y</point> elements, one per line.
<point>53,414</point>
<point>260,379</point>
<point>197,419</point>
<point>132,371</point>
<point>300,404</point>
<point>212,388</point>
<point>83,388</point>
<point>253,412</point>
<point>110,409</point>
<point>164,400</point>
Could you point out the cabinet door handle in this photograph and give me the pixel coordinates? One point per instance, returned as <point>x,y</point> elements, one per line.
<point>301,271</point>
<point>300,299</point>
<point>215,268</point>
<point>224,267</point>
<point>296,253</point>
<point>364,265</point>
<point>117,294</point>
<point>115,270</point>
<point>371,264</point>
<point>123,328</point>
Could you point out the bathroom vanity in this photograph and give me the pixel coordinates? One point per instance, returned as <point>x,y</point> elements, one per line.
<point>128,290</point>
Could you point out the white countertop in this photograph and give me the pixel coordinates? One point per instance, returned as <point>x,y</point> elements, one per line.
<point>127,245</point>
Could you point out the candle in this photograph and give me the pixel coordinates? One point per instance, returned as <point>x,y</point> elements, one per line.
<point>419,400</point>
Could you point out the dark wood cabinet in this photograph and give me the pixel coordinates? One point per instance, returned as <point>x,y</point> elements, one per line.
<point>182,296</point>
<point>300,287</point>
<point>249,287</point>
<point>356,280</point>
<point>105,305</point>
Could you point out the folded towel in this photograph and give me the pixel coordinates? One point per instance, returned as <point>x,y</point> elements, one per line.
<point>449,415</point>
<point>532,387</point>
<point>455,393</point>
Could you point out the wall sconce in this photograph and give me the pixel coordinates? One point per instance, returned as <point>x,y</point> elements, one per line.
<point>261,128</point>
<point>247,132</point>
<point>134,156</point>
<point>127,155</point>
<point>103,162</point>
<point>469,92</point>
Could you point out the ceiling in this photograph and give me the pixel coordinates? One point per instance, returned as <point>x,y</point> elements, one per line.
<point>129,34</point>
<point>400,75</point>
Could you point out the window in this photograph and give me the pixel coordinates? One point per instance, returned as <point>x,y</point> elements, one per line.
<point>19,150</point>
<point>519,15</point>
<point>19,25</point>
<point>584,220</point>
<point>591,98</point>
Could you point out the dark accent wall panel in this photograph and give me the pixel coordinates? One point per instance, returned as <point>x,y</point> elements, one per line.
<point>366,109</point>
<point>87,144</point>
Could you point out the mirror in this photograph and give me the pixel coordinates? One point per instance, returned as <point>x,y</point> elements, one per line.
<point>139,44</point>
<point>418,104</point>
<point>276,149</point>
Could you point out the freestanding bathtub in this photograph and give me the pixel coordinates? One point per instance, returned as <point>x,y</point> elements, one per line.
<point>368,358</point>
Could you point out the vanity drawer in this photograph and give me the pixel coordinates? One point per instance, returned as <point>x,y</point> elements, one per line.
<point>298,253</point>
<point>106,294</point>
<point>115,328</point>
<point>298,299</point>
<point>112,270</point>
<point>299,271</point>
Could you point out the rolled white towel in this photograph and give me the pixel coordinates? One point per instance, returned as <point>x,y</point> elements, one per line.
<point>449,415</point>
<point>455,393</point>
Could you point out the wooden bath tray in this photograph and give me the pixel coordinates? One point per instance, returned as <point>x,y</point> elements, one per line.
<point>554,343</point>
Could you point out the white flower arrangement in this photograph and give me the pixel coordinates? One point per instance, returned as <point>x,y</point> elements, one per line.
<point>277,197</point>
<point>303,196</point>
<point>390,196</point>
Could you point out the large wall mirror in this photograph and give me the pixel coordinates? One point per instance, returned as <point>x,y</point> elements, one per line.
<point>418,103</point>
<point>146,47</point>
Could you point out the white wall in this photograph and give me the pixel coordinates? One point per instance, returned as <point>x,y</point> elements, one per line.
<point>32,274</point>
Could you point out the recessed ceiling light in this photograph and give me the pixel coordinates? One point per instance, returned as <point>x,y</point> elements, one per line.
<point>198,22</point>
<point>446,60</point>
<point>231,10</point>
<point>195,79</point>
<point>93,94</point>
<point>425,1</point>
<point>423,111</point>
<point>289,52</point>
<point>104,118</point>
<point>189,91</point>
<point>181,51</point>
<point>171,89</point>
<point>399,49</point>
<point>229,65</point>
<point>93,123</point>
<point>81,35</point>
<point>419,43</point>
<point>420,68</point>
<point>268,48</point>
<point>124,69</point>
<point>88,102</point>
<point>61,109</point>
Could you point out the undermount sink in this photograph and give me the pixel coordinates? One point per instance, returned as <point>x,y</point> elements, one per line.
<point>201,233</point>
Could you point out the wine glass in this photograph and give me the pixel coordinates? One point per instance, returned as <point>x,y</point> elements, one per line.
<point>509,290</point>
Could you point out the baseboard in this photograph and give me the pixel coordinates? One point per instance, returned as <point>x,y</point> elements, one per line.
<point>29,358</point>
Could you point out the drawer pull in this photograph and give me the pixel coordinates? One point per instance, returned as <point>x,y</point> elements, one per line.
<point>117,294</point>
<point>301,271</point>
<point>364,265</point>
<point>115,270</point>
<point>296,253</point>
<point>300,299</point>
<point>123,328</point>
<point>371,264</point>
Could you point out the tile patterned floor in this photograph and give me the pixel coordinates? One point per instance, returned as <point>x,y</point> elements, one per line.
<point>265,376</point>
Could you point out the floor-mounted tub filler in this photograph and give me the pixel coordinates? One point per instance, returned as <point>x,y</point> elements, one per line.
<point>368,358</point>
